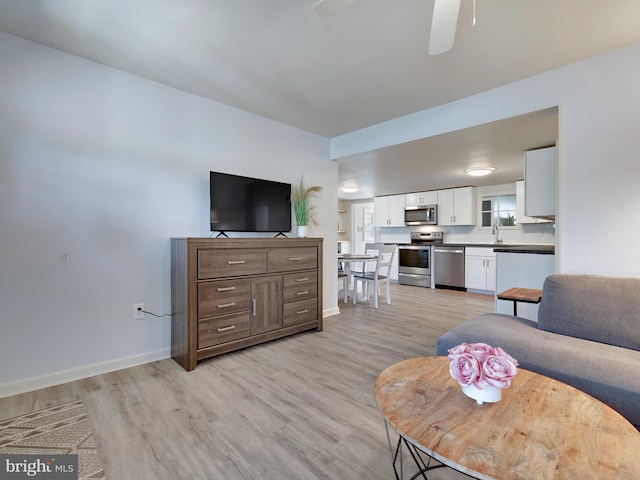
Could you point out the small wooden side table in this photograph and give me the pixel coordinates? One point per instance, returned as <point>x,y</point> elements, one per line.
<point>525,295</point>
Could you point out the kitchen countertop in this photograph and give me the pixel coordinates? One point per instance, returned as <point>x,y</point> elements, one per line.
<point>477,245</point>
<point>482,245</point>
<point>539,249</point>
<point>504,248</point>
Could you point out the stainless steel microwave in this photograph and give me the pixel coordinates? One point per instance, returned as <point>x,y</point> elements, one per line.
<point>421,215</point>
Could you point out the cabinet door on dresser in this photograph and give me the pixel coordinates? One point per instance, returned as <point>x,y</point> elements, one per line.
<point>266,298</point>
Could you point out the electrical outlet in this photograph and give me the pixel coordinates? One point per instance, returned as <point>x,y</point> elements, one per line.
<point>138,311</point>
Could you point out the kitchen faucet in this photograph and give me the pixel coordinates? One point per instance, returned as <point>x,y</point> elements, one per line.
<point>495,230</point>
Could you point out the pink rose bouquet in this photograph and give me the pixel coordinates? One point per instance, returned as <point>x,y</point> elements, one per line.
<point>481,365</point>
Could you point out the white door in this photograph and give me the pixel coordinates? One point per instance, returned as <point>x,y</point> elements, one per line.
<point>362,228</point>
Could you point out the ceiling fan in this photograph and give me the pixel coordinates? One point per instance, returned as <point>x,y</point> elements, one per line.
<point>443,26</point>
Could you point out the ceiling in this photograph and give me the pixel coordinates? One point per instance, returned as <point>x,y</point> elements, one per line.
<point>439,162</point>
<point>330,76</point>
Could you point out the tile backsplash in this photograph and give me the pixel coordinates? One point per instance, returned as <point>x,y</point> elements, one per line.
<point>529,234</point>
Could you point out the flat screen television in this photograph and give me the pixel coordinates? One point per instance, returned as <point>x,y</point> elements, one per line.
<point>245,204</point>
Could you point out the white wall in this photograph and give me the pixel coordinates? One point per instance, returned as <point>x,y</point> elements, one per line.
<point>599,200</point>
<point>105,167</point>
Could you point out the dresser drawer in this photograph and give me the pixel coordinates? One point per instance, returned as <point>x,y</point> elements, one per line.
<point>303,290</point>
<point>223,297</point>
<point>300,279</point>
<point>288,259</point>
<point>300,312</point>
<point>223,329</point>
<point>217,263</point>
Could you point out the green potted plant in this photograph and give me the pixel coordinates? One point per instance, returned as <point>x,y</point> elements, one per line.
<point>303,209</point>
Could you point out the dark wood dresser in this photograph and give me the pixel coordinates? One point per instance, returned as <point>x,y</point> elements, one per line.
<point>228,294</point>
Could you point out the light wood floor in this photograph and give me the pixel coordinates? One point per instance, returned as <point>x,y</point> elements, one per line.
<point>296,408</point>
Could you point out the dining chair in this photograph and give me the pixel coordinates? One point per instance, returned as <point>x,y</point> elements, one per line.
<point>345,285</point>
<point>380,274</point>
<point>368,265</point>
<point>365,266</point>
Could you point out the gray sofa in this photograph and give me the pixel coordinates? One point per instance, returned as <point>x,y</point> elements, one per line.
<point>587,335</point>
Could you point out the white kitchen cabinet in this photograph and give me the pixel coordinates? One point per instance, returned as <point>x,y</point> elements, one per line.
<point>457,206</point>
<point>445,207</point>
<point>389,211</point>
<point>480,269</point>
<point>421,198</point>
<point>540,182</point>
<point>520,201</point>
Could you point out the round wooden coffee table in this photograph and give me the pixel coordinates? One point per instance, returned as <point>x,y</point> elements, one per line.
<point>541,429</point>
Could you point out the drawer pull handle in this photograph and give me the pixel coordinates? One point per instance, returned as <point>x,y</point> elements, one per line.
<point>226,329</point>
<point>300,312</point>
<point>225,289</point>
<point>304,292</point>
<point>235,262</point>
<point>226,305</point>
<point>305,279</point>
<point>295,259</point>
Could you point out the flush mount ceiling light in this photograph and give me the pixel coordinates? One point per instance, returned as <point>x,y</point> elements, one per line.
<point>349,189</point>
<point>479,171</point>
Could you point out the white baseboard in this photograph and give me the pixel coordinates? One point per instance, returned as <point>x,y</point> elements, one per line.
<point>65,376</point>
<point>330,312</point>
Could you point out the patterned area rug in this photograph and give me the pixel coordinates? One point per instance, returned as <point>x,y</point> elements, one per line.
<point>63,429</point>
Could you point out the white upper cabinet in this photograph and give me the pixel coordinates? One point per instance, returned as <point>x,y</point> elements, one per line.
<point>421,198</point>
<point>520,200</point>
<point>389,211</point>
<point>540,182</point>
<point>445,207</point>
<point>457,206</point>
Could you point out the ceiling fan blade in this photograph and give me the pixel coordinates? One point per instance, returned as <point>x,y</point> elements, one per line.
<point>443,26</point>
<point>326,8</point>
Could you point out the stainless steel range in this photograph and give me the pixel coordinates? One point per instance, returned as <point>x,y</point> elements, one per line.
<point>415,259</point>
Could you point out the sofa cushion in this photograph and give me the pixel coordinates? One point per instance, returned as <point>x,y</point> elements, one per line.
<point>602,309</point>
<point>605,372</point>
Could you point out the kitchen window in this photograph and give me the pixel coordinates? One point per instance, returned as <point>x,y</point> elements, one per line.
<point>499,210</point>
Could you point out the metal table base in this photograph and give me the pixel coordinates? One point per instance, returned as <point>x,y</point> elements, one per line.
<point>418,456</point>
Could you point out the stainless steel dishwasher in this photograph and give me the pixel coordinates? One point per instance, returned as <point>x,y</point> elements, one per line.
<point>448,266</point>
